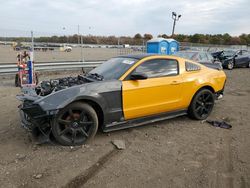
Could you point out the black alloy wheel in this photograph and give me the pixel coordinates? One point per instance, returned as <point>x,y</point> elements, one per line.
<point>75,124</point>
<point>202,104</point>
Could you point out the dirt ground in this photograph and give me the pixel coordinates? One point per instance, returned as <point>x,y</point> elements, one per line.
<point>175,153</point>
<point>8,55</point>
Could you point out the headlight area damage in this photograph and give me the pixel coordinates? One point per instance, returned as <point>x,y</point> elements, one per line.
<point>37,110</point>
<point>41,105</point>
<point>34,118</point>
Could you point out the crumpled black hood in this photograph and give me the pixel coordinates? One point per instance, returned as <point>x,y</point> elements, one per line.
<point>92,90</point>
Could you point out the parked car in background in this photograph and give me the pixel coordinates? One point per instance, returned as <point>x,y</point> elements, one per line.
<point>201,57</point>
<point>124,92</point>
<point>66,48</point>
<point>233,58</point>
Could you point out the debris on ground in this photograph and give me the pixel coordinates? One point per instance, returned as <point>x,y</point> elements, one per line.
<point>119,144</point>
<point>20,157</point>
<point>37,176</point>
<point>221,124</point>
<point>86,146</point>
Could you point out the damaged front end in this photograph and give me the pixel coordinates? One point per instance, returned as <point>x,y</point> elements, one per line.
<point>34,118</point>
<point>40,105</point>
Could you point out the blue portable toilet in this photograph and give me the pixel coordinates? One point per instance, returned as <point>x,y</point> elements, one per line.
<point>162,46</point>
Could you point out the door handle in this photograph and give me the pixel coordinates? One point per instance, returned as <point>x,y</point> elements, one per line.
<point>175,83</point>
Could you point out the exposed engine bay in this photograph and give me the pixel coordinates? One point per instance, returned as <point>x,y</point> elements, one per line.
<point>54,85</point>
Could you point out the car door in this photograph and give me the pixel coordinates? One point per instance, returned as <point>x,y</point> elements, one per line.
<point>240,59</point>
<point>160,92</point>
<point>244,58</point>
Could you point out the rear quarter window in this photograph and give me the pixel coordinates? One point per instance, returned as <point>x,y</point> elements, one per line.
<point>191,67</point>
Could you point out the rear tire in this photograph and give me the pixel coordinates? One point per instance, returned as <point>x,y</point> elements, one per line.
<point>76,124</point>
<point>202,104</point>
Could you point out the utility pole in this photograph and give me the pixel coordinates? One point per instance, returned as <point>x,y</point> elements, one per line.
<point>175,17</point>
<point>78,34</point>
<point>81,49</point>
<point>64,28</point>
<point>32,47</point>
<point>118,46</point>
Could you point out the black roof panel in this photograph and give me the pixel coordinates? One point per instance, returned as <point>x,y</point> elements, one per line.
<point>138,56</point>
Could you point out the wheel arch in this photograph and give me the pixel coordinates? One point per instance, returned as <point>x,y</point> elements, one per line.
<point>201,88</point>
<point>206,87</point>
<point>97,107</point>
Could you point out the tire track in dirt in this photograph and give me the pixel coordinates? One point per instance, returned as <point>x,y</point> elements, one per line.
<point>82,178</point>
<point>224,164</point>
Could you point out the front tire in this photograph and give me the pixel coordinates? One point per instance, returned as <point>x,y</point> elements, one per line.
<point>202,104</point>
<point>230,65</point>
<point>75,124</point>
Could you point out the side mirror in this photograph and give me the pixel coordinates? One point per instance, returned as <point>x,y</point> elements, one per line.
<point>138,76</point>
<point>236,55</point>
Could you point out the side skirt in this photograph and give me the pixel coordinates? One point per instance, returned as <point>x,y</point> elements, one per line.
<point>143,120</point>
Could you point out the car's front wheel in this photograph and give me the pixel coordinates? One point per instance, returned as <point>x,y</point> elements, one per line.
<point>230,65</point>
<point>201,105</point>
<point>75,124</point>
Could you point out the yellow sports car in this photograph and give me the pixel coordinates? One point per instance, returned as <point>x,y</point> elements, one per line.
<point>125,91</point>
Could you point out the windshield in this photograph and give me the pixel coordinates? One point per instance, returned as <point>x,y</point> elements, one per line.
<point>186,55</point>
<point>229,53</point>
<point>113,68</point>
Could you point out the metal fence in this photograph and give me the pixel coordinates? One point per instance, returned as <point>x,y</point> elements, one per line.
<point>11,68</point>
<point>211,47</point>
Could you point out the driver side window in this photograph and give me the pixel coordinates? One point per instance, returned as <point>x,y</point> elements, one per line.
<point>158,68</point>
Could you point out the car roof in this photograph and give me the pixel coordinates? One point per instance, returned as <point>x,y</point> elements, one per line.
<point>140,56</point>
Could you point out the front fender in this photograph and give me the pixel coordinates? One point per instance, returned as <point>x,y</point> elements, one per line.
<point>107,94</point>
<point>90,91</point>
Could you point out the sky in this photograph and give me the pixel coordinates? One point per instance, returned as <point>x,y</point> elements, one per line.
<point>123,17</point>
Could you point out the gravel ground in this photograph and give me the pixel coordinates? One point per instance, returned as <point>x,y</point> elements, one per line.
<point>175,153</point>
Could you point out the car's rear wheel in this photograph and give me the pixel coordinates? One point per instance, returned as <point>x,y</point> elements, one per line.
<point>201,105</point>
<point>75,124</point>
<point>230,65</point>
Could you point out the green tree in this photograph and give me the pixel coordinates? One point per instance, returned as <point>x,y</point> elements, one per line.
<point>138,36</point>
<point>165,36</point>
<point>147,36</point>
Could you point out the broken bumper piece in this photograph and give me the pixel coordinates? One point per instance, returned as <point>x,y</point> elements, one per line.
<point>32,115</point>
<point>36,121</point>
